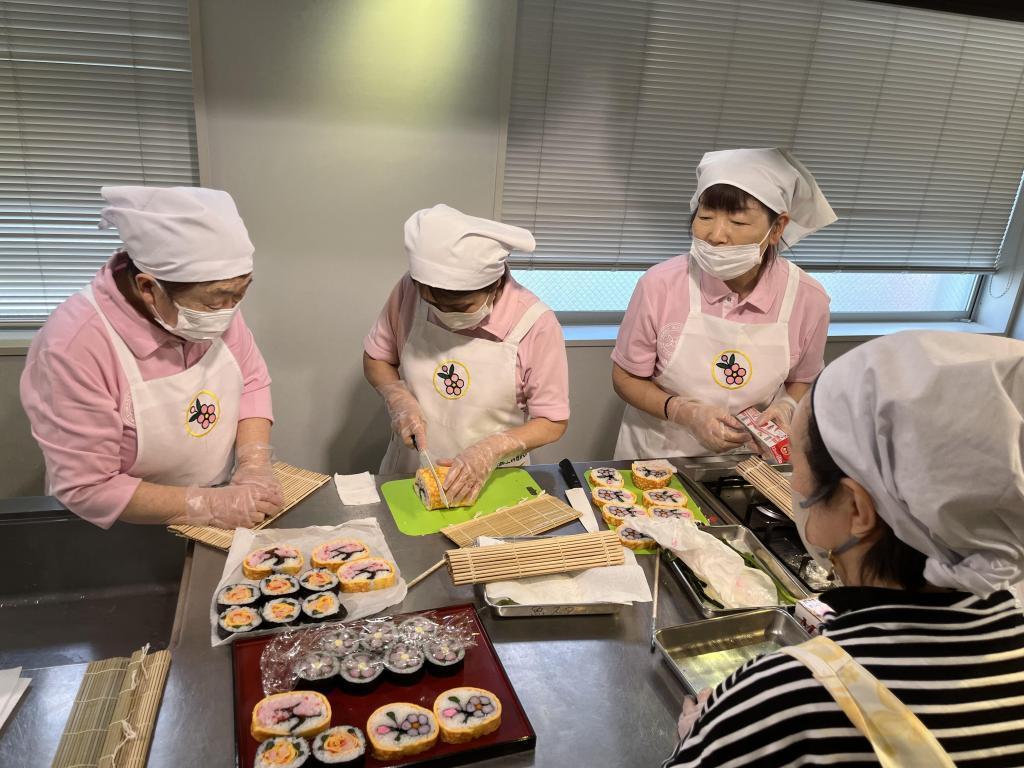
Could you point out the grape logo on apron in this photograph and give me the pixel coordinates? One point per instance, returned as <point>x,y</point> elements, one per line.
<point>731,369</point>
<point>202,413</point>
<point>451,380</point>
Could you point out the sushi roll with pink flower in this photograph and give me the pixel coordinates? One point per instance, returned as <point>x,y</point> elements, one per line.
<point>401,729</point>
<point>464,714</point>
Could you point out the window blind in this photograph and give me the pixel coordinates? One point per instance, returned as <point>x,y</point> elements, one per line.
<point>911,120</point>
<point>92,93</point>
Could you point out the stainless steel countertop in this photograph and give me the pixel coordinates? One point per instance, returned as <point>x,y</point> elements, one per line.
<point>594,692</point>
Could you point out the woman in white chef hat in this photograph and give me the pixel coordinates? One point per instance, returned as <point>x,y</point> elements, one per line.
<point>731,324</point>
<point>146,388</point>
<point>471,364</point>
<point>908,479</point>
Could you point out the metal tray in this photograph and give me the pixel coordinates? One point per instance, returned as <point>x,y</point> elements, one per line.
<point>767,561</point>
<point>702,654</point>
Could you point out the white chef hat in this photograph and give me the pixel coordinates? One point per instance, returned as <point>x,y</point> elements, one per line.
<point>448,249</point>
<point>774,177</point>
<point>932,425</point>
<point>184,234</point>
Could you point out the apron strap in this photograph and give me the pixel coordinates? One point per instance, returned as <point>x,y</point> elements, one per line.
<point>696,307</point>
<point>792,285</point>
<point>526,322</point>
<point>128,362</point>
<point>897,735</point>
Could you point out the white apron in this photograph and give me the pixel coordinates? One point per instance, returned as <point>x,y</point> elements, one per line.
<point>185,423</point>
<point>466,389</point>
<point>719,362</point>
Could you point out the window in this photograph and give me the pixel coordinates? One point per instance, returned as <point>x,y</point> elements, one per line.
<point>912,121</point>
<point>91,94</point>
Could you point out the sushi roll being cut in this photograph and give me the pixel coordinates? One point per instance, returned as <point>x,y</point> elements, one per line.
<point>281,612</point>
<point>405,662</point>
<point>234,595</point>
<point>360,670</point>
<point>333,554</point>
<point>318,580</point>
<point>664,497</point>
<point>279,558</point>
<point>615,515</point>
<point>633,539</point>
<point>464,714</point>
<point>279,585</point>
<point>366,575</point>
<point>316,671</point>
<point>296,713</point>
<point>427,489</point>
<point>282,752</point>
<point>340,745</point>
<point>606,477</point>
<point>237,620</point>
<point>401,729</point>
<point>620,496</point>
<point>652,474</point>
<point>323,607</point>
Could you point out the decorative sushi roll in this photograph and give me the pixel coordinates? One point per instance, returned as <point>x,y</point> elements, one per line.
<point>279,585</point>
<point>664,497</point>
<point>633,539</point>
<point>318,580</point>
<point>418,629</point>
<point>282,752</point>
<point>620,496</point>
<point>333,554</point>
<point>615,514</point>
<point>671,513</point>
<point>444,654</point>
<point>404,661</point>
<point>379,636</point>
<point>340,745</point>
<point>648,475</point>
<point>280,558</point>
<point>323,607</point>
<point>281,611</point>
<point>367,574</point>
<point>234,595</point>
<point>340,642</point>
<point>606,477</point>
<point>400,729</point>
<point>242,618</point>
<point>360,670</point>
<point>426,487</point>
<point>316,671</point>
<point>296,713</point>
<point>464,714</point>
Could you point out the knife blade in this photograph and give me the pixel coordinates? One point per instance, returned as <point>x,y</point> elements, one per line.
<point>577,497</point>
<point>427,464</point>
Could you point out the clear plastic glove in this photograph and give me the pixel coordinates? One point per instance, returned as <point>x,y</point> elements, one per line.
<point>406,416</point>
<point>691,711</point>
<point>781,411</point>
<point>254,465</point>
<point>229,507</point>
<point>716,429</point>
<point>471,468</point>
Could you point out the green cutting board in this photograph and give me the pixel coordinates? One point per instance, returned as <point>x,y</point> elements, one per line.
<point>505,488</point>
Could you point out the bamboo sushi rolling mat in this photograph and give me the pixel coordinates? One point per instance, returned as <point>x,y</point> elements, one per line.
<point>111,722</point>
<point>296,484</point>
<point>528,518</point>
<point>540,557</point>
<point>769,481</point>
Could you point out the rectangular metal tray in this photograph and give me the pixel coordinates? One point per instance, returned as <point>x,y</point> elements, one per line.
<point>704,653</point>
<point>765,558</point>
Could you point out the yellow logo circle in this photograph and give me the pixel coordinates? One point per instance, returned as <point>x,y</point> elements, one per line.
<point>451,379</point>
<point>732,369</point>
<point>202,413</point>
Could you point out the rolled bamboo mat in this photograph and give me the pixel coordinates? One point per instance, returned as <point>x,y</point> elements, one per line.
<point>527,518</point>
<point>296,484</point>
<point>517,560</point>
<point>769,481</point>
<point>111,722</point>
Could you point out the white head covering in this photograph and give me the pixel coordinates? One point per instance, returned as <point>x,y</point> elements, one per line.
<point>774,177</point>
<point>448,249</point>
<point>184,234</point>
<point>932,425</point>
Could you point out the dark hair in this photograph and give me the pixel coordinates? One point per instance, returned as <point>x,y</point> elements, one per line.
<point>726,197</point>
<point>889,558</point>
<point>173,288</point>
<point>447,296</point>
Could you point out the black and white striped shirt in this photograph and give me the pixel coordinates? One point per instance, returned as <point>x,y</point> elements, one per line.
<point>955,659</point>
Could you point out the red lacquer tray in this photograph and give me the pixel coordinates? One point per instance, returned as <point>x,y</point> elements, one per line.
<point>482,668</point>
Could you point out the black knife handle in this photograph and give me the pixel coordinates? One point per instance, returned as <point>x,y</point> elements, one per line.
<point>569,474</point>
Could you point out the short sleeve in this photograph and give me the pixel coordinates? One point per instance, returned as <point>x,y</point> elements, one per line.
<point>544,370</point>
<point>636,347</point>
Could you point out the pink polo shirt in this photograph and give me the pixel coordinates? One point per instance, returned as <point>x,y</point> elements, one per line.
<point>78,402</point>
<point>542,369</point>
<point>656,316</point>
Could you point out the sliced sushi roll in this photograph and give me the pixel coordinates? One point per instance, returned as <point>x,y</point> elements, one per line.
<point>333,554</point>
<point>664,497</point>
<point>633,539</point>
<point>316,671</point>
<point>464,714</point>
<point>234,621</point>
<point>323,607</point>
<point>400,729</point>
<point>318,580</point>
<point>280,558</point>
<point>427,488</point>
<point>606,477</point>
<point>444,654</point>
<point>652,474</point>
<point>281,612</point>
<point>233,595</point>
<point>296,713</point>
<point>620,496</point>
<point>379,636</point>
<point>282,752</point>
<point>366,575</point>
<point>279,585</point>
<point>615,514</point>
<point>671,513</point>
<point>341,642</point>
<point>418,629</point>
<point>405,662</point>
<point>340,745</point>
<point>360,671</point>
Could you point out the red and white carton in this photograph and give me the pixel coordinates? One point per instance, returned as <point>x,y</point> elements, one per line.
<point>770,437</point>
<point>811,613</point>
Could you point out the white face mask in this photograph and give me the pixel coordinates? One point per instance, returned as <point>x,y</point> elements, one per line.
<point>726,261</point>
<point>801,514</point>
<point>195,325</point>
<point>463,321</point>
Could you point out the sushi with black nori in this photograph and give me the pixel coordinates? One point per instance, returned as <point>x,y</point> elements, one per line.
<point>418,629</point>
<point>405,662</point>
<point>316,671</point>
<point>281,612</point>
<point>340,642</point>
<point>279,585</point>
<point>340,745</point>
<point>237,620</point>
<point>323,607</point>
<point>282,752</point>
<point>444,655</point>
<point>318,580</point>
<point>379,636</point>
<point>360,671</point>
<point>234,595</point>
